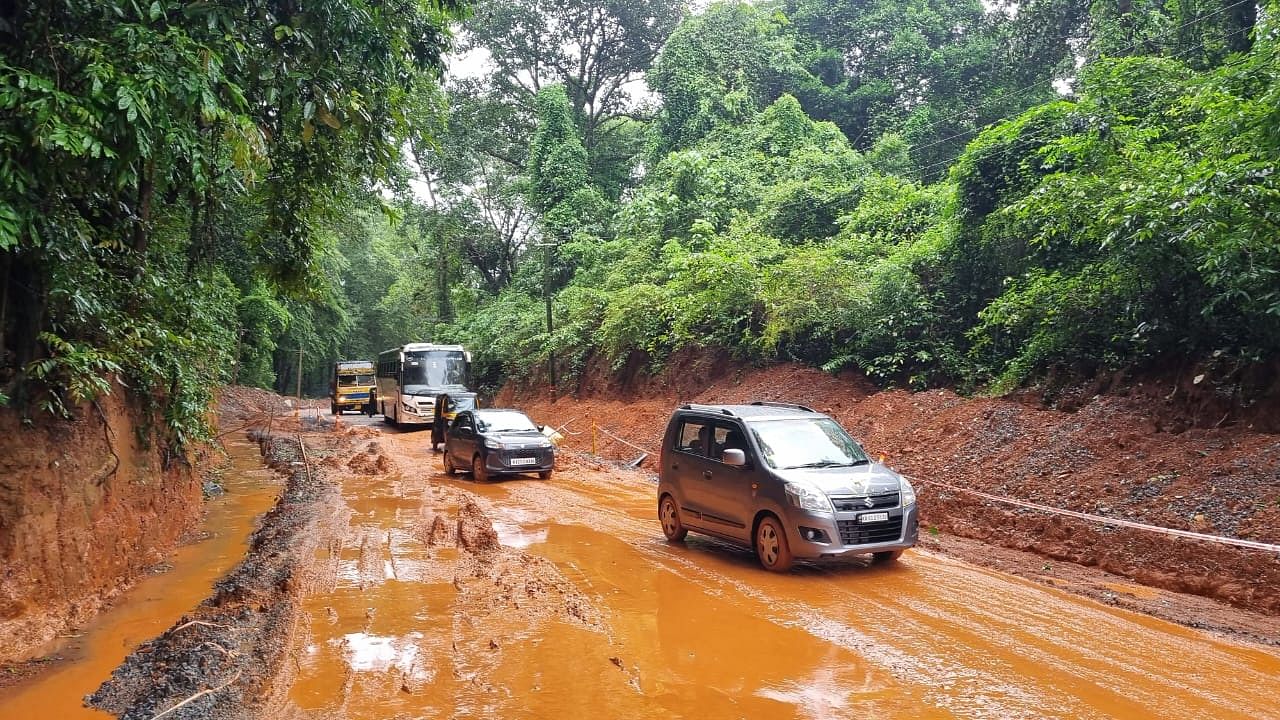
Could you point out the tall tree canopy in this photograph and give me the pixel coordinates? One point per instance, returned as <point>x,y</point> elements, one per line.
<point>150,149</point>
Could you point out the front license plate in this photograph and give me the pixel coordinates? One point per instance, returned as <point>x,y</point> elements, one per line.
<point>524,461</point>
<point>873,517</point>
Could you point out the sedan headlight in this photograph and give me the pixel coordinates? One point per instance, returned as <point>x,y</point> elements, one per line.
<point>908,493</point>
<point>494,444</point>
<point>808,498</point>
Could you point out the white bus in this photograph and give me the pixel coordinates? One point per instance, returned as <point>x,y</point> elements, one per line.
<point>411,376</point>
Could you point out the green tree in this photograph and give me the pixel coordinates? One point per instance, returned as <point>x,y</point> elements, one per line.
<point>133,136</point>
<point>720,66</point>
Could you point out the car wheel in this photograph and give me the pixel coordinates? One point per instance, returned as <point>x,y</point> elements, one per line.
<point>448,464</point>
<point>669,516</point>
<point>544,474</point>
<point>886,556</point>
<point>478,471</point>
<point>771,545</point>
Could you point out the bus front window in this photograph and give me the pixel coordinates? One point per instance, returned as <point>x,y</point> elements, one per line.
<point>432,369</point>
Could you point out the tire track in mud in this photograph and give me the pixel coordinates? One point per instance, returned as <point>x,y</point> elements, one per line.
<point>431,596</point>
<point>413,601</point>
<point>975,642</point>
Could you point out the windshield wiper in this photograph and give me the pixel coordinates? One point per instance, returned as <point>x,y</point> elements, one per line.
<point>821,464</point>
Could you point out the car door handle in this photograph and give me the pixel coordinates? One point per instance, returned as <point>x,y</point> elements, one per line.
<point>706,474</point>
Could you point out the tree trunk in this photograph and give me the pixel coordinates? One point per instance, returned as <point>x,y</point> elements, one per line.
<point>142,226</point>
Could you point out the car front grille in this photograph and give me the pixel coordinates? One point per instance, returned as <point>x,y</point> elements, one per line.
<point>853,532</point>
<point>857,503</point>
<point>544,455</point>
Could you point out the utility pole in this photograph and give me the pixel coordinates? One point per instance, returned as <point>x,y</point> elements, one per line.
<point>546,294</point>
<point>299,375</point>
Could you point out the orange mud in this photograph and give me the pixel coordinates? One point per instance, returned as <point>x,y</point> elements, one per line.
<point>153,604</point>
<point>438,597</point>
<point>1129,457</point>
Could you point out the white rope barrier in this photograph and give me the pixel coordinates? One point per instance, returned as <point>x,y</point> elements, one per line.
<point>1251,544</point>
<point>624,442</point>
<point>1237,542</point>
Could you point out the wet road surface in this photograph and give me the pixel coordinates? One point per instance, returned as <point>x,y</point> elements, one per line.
<point>588,612</point>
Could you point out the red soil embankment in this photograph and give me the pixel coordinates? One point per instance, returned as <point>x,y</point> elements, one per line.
<point>84,511</point>
<point>1110,457</point>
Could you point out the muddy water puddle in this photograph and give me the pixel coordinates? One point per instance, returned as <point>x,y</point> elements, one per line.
<point>699,630</point>
<point>931,637</point>
<point>155,603</point>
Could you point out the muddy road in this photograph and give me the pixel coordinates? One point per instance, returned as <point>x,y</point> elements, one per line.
<point>380,587</point>
<point>432,596</point>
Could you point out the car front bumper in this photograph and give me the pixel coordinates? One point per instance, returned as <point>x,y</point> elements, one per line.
<point>499,461</point>
<point>830,537</point>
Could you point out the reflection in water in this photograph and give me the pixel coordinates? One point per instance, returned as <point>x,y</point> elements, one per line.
<point>515,536</point>
<point>380,653</point>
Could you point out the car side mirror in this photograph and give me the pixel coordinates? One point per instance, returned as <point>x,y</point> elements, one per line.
<point>542,428</point>
<point>733,457</point>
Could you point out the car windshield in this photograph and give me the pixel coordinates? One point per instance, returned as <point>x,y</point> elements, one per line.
<point>432,369</point>
<point>806,443</point>
<point>458,404</point>
<point>354,380</point>
<point>504,422</point>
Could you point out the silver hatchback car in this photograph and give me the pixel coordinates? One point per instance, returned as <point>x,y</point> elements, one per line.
<point>784,480</point>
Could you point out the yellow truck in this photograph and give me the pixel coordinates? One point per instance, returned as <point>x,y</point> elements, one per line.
<point>352,387</point>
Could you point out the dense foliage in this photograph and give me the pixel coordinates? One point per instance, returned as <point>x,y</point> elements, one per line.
<point>169,176</point>
<point>932,191</point>
<point>979,210</point>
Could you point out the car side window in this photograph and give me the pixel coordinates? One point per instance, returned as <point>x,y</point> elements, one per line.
<point>727,437</point>
<point>462,422</point>
<point>693,436</point>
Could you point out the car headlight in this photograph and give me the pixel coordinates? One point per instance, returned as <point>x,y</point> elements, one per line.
<point>409,408</point>
<point>808,498</point>
<point>494,444</point>
<point>908,493</point>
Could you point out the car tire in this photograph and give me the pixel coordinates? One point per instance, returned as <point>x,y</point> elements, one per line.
<point>771,545</point>
<point>886,556</point>
<point>479,472</point>
<point>669,517</point>
<point>449,468</point>
<point>544,474</point>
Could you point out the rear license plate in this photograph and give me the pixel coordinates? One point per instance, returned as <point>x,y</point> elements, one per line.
<point>873,517</point>
<point>523,461</point>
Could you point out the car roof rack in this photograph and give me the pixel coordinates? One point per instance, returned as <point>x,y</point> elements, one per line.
<point>794,406</point>
<point>708,408</point>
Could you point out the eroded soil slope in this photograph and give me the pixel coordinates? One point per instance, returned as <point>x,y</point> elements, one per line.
<point>1115,456</point>
<point>85,509</point>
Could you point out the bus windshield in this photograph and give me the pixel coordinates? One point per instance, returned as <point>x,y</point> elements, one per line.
<point>430,369</point>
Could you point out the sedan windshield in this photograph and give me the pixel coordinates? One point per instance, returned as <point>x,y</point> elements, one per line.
<point>505,422</point>
<point>805,443</point>
<point>432,369</point>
